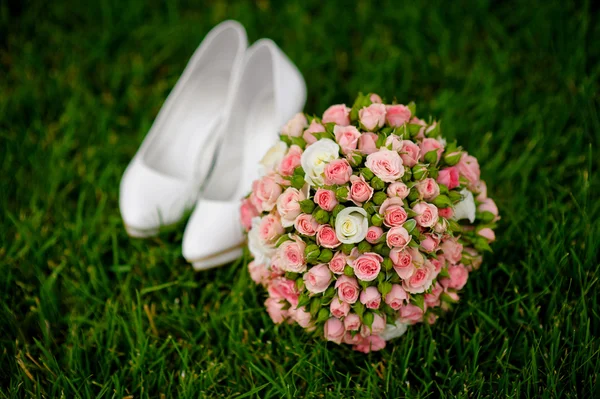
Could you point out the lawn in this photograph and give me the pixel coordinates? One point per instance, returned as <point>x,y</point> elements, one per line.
<point>86,311</point>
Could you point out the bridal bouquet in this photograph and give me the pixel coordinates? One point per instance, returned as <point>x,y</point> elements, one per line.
<point>365,221</point>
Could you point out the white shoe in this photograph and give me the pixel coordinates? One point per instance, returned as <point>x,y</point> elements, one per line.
<point>271,91</point>
<point>164,178</point>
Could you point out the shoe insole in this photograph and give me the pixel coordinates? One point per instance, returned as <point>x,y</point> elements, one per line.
<point>192,117</point>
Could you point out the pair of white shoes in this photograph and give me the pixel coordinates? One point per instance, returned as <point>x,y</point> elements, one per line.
<point>205,145</point>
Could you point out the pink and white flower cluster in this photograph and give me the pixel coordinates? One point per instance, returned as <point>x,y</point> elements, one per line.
<point>364,222</point>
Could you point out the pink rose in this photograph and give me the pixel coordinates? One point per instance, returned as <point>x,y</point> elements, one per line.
<point>402,261</point>
<point>396,297</point>
<point>283,288</point>
<point>367,266</point>
<point>301,316</point>
<point>339,308</point>
<point>270,229</point>
<point>446,212</point>
<point>338,263</point>
<point>397,237</point>
<point>337,172</point>
<point>438,263</point>
<point>432,299</point>
<point>290,161</point>
<point>315,127</point>
<point>374,233</point>
<point>375,98</point>
<point>431,318</point>
<point>247,213</point>
<point>385,164</point>
<point>275,310</point>
<point>372,117</point>
<point>372,343</point>
<point>452,250</point>
<point>288,205</point>
<point>377,327</point>
<point>458,277</point>
<point>367,143</point>
<point>394,142</point>
<point>338,114</point>
<point>488,205</point>
<point>265,193</point>
<point>474,257</point>
<point>347,289</point>
<point>334,330</point>
<point>417,257</point>
<point>325,199</point>
<point>421,279</point>
<point>398,190</point>
<point>295,126</point>
<point>397,115</point>
<point>481,190</point>
<point>393,213</point>
<point>371,298</point>
<point>352,322</point>
<point>411,314</point>
<point>427,214</point>
<point>326,237</point>
<point>291,255</point>
<point>258,273</point>
<point>352,340</point>
<point>360,190</point>
<point>347,137</point>
<point>409,152</point>
<point>488,234</point>
<point>430,243</point>
<point>449,177</point>
<point>306,224</point>
<point>468,167</point>
<point>429,144</point>
<point>317,278</point>
<point>428,189</point>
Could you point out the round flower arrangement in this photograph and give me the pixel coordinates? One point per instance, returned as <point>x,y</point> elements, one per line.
<point>365,221</point>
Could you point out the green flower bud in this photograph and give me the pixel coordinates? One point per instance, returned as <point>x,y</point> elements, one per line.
<point>300,284</point>
<point>419,171</point>
<point>369,207</point>
<point>454,226</point>
<point>368,318</point>
<point>364,246</point>
<point>303,299</point>
<point>442,201</point>
<point>307,206</point>
<point>433,172</point>
<point>321,215</point>
<point>413,108</point>
<point>326,255</point>
<point>379,197</point>
<point>452,158</point>
<point>299,171</point>
<point>443,188</point>
<point>312,252</point>
<point>454,196</point>
<point>387,264</point>
<point>414,129</point>
<point>367,174</point>
<point>431,157</point>
<point>485,217</point>
<point>329,293</point>
<point>355,160</point>
<point>377,220</point>
<point>407,175</point>
<point>385,251</point>
<point>338,208</point>
<point>384,288</point>
<point>347,248</point>
<point>297,182</point>
<point>410,225</point>
<point>322,315</point>
<point>413,195</point>
<point>315,306</point>
<point>348,271</point>
<point>291,275</point>
<point>342,193</point>
<point>378,247</point>
<point>433,130</point>
<point>377,183</point>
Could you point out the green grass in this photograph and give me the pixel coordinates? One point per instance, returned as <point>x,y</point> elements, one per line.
<point>87,312</point>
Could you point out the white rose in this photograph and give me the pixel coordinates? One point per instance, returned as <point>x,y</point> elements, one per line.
<point>295,126</point>
<point>261,252</point>
<point>351,225</point>
<point>316,157</point>
<point>393,330</point>
<point>273,157</point>
<point>465,209</point>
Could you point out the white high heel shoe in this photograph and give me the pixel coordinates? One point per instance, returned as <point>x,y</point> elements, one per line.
<point>164,178</point>
<point>271,91</point>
